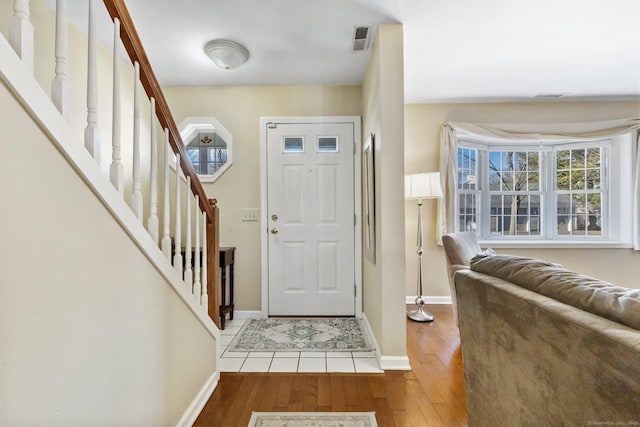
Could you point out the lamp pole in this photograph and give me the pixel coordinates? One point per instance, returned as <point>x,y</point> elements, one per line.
<point>419,315</point>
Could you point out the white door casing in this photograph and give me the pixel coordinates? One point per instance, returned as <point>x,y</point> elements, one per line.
<point>311,227</point>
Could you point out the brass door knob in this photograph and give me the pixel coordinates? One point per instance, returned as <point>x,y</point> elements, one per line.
<point>274,231</point>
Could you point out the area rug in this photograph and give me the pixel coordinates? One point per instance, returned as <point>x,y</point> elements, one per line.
<point>317,334</point>
<point>313,419</point>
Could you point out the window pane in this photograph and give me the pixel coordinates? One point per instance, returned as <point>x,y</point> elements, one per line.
<point>534,181</point>
<point>494,181</point>
<point>577,158</point>
<point>194,155</point>
<point>467,220</point>
<point>535,212</point>
<point>293,144</point>
<point>533,161</point>
<point>594,214</point>
<point>563,180</point>
<point>593,157</point>
<point>467,168</point>
<point>577,179</point>
<point>563,206</point>
<point>579,209</point>
<point>216,157</point>
<point>562,160</point>
<point>328,144</point>
<point>593,179</point>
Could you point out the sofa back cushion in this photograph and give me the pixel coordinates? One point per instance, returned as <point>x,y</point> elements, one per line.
<point>612,302</point>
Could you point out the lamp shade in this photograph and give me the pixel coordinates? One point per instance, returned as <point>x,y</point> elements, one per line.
<point>422,186</point>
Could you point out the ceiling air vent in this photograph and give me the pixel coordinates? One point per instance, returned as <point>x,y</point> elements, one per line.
<point>360,39</point>
<point>549,95</point>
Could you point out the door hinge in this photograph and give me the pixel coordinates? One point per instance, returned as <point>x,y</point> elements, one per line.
<point>355,290</point>
<point>354,148</point>
<point>355,221</point>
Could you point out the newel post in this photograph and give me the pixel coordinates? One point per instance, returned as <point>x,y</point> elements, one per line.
<point>213,266</point>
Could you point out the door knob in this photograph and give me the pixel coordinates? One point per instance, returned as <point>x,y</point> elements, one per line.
<point>274,231</point>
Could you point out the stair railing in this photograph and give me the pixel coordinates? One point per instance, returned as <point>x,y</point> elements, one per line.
<point>199,272</point>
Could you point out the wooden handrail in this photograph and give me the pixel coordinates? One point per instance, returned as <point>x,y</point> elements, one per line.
<point>133,45</point>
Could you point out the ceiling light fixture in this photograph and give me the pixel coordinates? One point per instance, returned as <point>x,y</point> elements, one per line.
<point>226,54</point>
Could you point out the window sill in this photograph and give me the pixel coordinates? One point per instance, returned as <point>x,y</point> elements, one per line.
<point>553,244</point>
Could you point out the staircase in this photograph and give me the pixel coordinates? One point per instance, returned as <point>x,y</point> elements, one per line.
<point>98,327</point>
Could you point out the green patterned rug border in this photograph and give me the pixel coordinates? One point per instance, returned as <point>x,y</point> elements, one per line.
<point>302,334</point>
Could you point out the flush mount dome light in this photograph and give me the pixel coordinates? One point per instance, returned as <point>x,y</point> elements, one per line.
<point>226,54</point>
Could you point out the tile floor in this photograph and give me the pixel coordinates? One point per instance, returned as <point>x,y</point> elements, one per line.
<point>292,361</point>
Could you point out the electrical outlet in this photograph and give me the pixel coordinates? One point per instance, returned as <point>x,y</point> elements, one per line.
<point>249,214</point>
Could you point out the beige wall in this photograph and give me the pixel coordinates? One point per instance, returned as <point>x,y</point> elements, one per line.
<point>239,110</point>
<point>383,100</point>
<point>422,149</point>
<point>90,330</point>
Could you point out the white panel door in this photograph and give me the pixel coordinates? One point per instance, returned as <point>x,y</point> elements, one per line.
<point>310,207</point>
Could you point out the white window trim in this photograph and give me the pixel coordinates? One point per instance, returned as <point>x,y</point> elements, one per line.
<point>618,173</point>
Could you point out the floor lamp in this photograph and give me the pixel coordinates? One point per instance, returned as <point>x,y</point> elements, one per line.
<point>421,186</point>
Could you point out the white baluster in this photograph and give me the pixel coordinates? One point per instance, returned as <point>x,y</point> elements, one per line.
<point>166,220</point>
<point>60,84</point>
<point>177,252</point>
<point>204,299</point>
<point>197,261</point>
<point>136,195</point>
<point>91,132</point>
<point>116,172</point>
<point>188,272</point>
<point>152,222</point>
<point>21,33</point>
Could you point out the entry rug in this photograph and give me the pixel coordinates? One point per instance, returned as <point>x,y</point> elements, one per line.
<point>313,419</point>
<point>317,334</point>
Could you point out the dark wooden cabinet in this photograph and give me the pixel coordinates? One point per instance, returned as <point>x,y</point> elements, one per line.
<point>227,258</point>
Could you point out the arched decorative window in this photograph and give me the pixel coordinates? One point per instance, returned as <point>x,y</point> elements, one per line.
<point>209,146</point>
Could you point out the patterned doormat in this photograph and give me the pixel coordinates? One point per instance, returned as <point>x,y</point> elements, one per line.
<point>317,334</point>
<point>313,419</point>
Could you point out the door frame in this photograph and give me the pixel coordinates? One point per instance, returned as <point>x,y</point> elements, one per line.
<point>357,194</point>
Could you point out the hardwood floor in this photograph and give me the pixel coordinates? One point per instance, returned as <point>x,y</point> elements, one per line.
<point>431,394</point>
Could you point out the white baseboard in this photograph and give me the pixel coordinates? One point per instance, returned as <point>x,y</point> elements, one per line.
<point>247,314</point>
<point>429,300</point>
<point>196,406</point>
<point>394,363</point>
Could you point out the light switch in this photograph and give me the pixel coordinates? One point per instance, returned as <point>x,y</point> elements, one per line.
<point>249,214</point>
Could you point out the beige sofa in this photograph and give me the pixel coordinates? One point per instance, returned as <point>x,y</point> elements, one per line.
<point>544,346</point>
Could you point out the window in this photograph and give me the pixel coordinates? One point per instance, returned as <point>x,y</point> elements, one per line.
<point>560,191</point>
<point>328,144</point>
<point>207,152</point>
<point>293,144</point>
<point>209,146</point>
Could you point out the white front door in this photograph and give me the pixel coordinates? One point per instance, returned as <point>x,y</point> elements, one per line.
<point>310,217</point>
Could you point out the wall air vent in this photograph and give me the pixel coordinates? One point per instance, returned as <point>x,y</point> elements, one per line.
<point>360,38</point>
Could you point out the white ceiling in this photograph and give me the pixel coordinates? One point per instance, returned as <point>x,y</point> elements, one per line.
<point>454,50</point>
